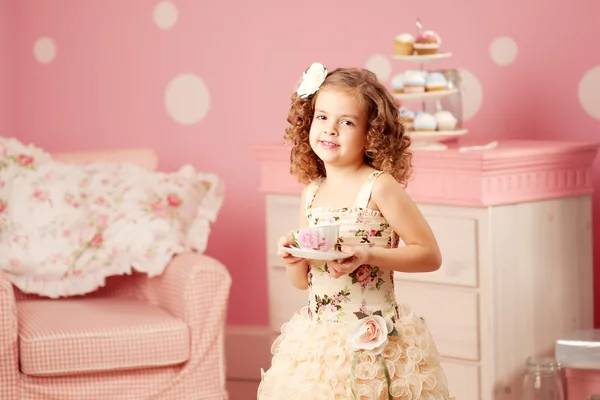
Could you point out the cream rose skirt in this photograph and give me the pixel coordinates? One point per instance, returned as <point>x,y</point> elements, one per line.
<point>313,360</point>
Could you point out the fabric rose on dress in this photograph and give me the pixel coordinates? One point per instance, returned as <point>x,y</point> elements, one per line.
<point>334,356</point>
<point>312,79</point>
<point>371,333</point>
<point>392,351</point>
<point>364,392</point>
<point>365,371</point>
<point>409,389</point>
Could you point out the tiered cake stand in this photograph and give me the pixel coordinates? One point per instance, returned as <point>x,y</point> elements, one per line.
<point>433,140</point>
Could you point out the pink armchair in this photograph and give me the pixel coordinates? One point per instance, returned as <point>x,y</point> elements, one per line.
<point>136,338</point>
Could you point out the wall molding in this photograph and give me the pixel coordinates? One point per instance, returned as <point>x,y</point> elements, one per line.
<point>247,350</point>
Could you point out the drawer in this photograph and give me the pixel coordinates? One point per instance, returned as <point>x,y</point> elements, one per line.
<point>282,217</point>
<point>457,238</point>
<point>284,299</point>
<point>450,313</point>
<point>464,380</point>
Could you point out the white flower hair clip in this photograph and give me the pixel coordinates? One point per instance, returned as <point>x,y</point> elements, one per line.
<point>312,79</point>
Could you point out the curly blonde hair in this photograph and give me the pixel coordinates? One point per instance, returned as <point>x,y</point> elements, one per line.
<point>387,146</point>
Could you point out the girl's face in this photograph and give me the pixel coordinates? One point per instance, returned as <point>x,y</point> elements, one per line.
<point>339,128</point>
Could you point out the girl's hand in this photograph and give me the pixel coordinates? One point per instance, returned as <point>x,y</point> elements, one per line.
<point>288,259</point>
<point>360,256</point>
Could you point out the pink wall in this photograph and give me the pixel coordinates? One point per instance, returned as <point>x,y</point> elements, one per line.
<point>6,65</point>
<point>105,88</point>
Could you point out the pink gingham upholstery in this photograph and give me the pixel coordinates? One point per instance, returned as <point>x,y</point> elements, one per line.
<point>9,349</point>
<point>58,337</point>
<point>194,290</point>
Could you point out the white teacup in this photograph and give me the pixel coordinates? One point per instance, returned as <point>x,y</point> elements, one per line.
<point>318,238</point>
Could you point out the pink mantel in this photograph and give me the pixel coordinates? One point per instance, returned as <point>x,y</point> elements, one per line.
<point>515,171</point>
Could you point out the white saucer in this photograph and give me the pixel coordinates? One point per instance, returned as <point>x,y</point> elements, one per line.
<point>316,255</point>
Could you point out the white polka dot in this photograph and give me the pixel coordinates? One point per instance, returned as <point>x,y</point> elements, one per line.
<point>471,93</point>
<point>165,15</point>
<point>187,99</point>
<point>504,50</point>
<point>44,50</point>
<point>381,66</point>
<point>589,92</point>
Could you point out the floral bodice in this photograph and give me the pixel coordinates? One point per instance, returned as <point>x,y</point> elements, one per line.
<point>369,288</point>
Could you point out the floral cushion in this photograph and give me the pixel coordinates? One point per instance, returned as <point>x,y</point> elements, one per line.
<point>64,228</point>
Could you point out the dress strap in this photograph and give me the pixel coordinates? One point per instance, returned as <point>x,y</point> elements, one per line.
<point>311,192</point>
<point>364,195</point>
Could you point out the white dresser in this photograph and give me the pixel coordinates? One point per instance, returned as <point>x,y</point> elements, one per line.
<point>514,227</point>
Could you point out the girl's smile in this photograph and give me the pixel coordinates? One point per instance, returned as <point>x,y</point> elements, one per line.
<point>328,145</point>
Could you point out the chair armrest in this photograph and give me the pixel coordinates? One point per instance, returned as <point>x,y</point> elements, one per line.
<point>9,350</point>
<point>191,284</point>
<point>195,288</point>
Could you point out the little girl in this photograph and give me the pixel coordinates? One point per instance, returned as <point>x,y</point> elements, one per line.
<point>353,340</point>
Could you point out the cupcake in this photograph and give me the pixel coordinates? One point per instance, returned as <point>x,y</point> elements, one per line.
<point>435,81</point>
<point>403,44</point>
<point>445,121</point>
<point>414,81</point>
<point>398,83</point>
<point>425,122</point>
<point>407,117</point>
<point>427,42</point>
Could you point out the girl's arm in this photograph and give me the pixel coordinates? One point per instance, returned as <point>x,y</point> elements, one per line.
<point>297,268</point>
<point>421,253</point>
